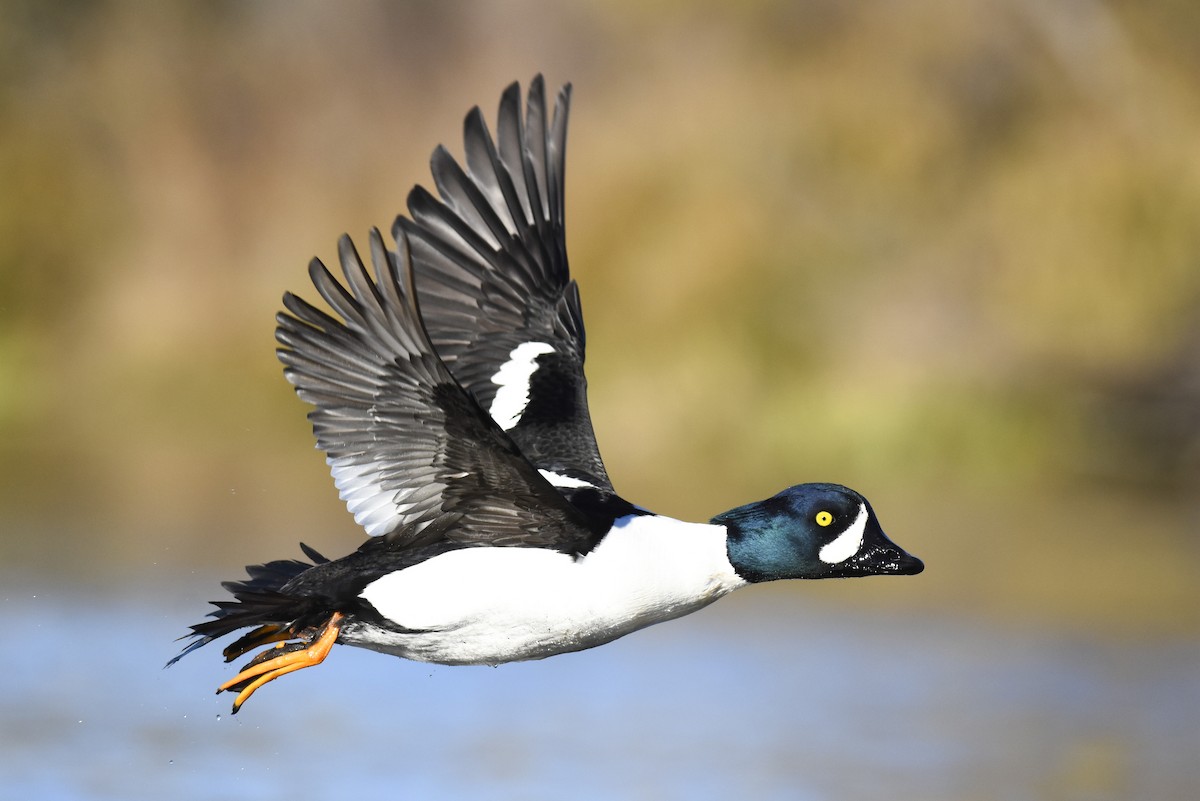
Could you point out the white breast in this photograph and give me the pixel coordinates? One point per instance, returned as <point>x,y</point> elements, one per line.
<point>492,605</point>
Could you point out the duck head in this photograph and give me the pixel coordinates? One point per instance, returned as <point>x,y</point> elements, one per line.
<point>812,531</point>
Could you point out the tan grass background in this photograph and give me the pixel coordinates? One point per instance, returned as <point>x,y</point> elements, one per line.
<point>945,253</point>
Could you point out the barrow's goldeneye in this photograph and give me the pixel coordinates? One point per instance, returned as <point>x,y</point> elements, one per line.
<point>450,400</point>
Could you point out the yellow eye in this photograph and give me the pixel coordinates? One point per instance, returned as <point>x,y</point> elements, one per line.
<point>824,518</point>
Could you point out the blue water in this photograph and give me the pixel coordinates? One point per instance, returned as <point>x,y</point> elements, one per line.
<point>763,696</point>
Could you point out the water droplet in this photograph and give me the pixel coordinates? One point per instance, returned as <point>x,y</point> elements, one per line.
<point>170,762</point>
<point>218,717</point>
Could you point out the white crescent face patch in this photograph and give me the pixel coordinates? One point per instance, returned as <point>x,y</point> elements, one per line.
<point>846,544</point>
<point>512,382</point>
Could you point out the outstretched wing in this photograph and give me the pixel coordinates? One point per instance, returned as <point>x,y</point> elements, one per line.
<point>496,295</point>
<point>411,452</point>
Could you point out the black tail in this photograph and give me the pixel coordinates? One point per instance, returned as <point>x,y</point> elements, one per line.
<point>260,602</point>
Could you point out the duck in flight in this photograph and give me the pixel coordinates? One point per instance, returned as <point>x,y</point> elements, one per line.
<point>449,396</point>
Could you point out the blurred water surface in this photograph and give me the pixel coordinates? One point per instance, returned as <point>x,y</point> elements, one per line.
<point>767,695</point>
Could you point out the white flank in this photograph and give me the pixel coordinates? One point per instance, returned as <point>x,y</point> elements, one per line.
<point>559,480</point>
<point>848,542</point>
<point>513,381</point>
<point>492,605</point>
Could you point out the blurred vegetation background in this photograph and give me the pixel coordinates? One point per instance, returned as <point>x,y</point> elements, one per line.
<point>945,253</point>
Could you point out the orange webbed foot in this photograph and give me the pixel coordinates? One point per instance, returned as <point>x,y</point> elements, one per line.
<point>282,659</point>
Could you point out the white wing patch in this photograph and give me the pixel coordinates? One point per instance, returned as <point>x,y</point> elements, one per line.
<point>375,508</point>
<point>513,381</point>
<point>559,480</point>
<point>848,542</point>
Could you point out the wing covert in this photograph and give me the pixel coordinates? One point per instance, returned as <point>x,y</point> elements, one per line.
<point>496,293</point>
<point>412,454</point>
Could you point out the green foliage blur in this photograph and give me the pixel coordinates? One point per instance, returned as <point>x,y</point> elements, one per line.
<point>945,253</point>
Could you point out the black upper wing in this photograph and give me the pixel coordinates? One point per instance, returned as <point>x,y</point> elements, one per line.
<point>496,295</point>
<point>411,452</point>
